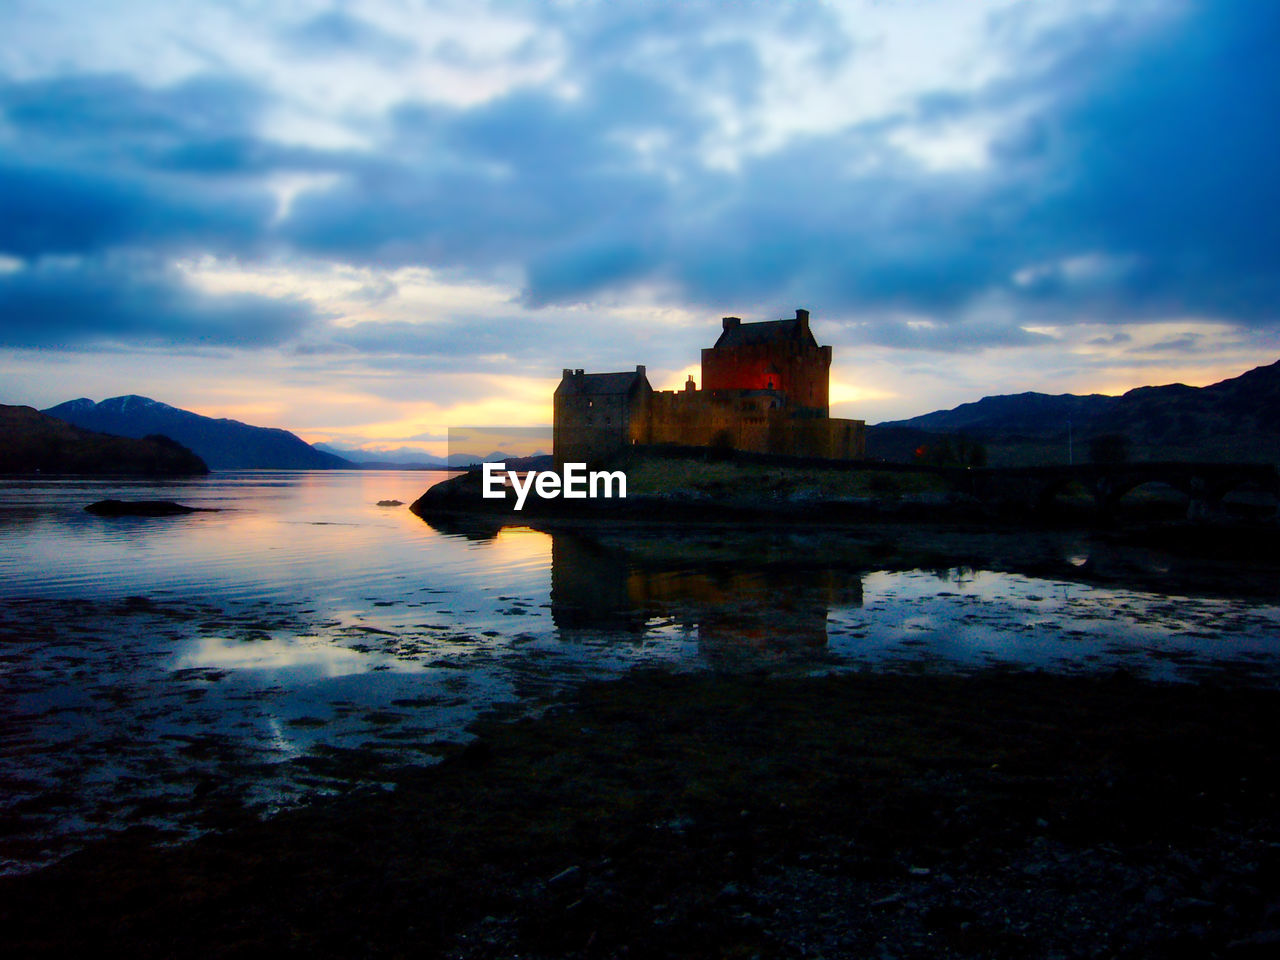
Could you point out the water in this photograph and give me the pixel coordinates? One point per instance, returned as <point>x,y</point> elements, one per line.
<point>303,640</point>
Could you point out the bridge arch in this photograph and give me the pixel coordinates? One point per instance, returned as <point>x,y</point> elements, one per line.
<point>1153,497</point>
<point>1203,485</point>
<point>1065,492</point>
<point>1252,497</point>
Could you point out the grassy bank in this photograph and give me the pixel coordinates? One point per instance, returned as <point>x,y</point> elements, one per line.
<point>732,482</point>
<point>997,815</point>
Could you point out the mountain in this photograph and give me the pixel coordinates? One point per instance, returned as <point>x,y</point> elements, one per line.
<point>404,458</point>
<point>1235,419</point>
<point>1030,414</point>
<point>223,444</point>
<point>31,442</point>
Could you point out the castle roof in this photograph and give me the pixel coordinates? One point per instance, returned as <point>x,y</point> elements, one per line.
<point>765,332</point>
<point>601,384</point>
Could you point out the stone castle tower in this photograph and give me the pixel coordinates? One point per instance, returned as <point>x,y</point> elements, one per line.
<point>778,355</point>
<point>765,390</point>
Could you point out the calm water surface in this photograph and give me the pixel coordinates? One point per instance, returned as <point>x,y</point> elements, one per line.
<point>302,639</point>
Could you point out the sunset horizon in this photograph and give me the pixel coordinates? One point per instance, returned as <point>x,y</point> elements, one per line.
<point>366,225</point>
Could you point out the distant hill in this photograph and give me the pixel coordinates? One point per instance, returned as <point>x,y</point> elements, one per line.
<point>406,458</point>
<point>223,444</point>
<point>31,442</point>
<point>1236,419</point>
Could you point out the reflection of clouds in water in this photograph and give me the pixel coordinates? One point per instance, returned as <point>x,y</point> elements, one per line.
<point>918,623</point>
<point>1033,622</point>
<point>316,659</point>
<point>394,633</point>
<point>280,741</point>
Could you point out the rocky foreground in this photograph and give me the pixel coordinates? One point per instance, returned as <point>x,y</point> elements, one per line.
<point>996,815</point>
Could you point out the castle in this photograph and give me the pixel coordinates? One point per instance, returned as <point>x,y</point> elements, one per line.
<point>764,390</point>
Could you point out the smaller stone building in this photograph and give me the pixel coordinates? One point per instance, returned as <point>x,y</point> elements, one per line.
<point>597,414</point>
<point>765,390</point>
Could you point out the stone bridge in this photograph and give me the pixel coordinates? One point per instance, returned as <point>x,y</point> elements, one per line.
<point>1205,484</point>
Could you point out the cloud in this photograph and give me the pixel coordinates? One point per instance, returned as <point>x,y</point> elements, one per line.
<point>978,331</point>
<point>113,124</point>
<point>336,33</point>
<point>1112,340</point>
<point>48,209</point>
<point>1117,169</point>
<point>1185,343</point>
<point>1131,191</point>
<point>99,162</point>
<point>516,344</point>
<point>97,109</point>
<point>71,302</point>
<point>1166,158</point>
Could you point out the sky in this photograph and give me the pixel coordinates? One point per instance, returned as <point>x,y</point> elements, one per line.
<point>367,222</point>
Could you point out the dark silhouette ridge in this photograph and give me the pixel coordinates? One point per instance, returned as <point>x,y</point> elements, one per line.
<point>1236,419</point>
<point>223,444</point>
<point>31,442</point>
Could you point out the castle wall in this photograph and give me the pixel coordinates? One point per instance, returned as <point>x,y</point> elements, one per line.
<point>756,423</point>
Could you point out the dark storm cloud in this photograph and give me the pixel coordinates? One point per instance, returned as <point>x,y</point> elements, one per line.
<point>72,303</point>
<point>113,123</point>
<point>106,111</point>
<point>75,209</point>
<point>1138,184</point>
<point>1166,156</point>
<point>1141,187</point>
<point>505,182</point>
<point>100,162</point>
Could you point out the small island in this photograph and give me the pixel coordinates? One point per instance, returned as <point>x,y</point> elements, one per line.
<point>143,508</point>
<point>758,443</point>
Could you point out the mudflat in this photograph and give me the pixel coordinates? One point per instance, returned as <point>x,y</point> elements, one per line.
<point>994,814</point>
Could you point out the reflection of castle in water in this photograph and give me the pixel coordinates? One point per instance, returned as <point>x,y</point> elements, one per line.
<point>775,604</point>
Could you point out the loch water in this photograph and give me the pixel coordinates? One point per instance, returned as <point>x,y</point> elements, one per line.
<point>300,640</point>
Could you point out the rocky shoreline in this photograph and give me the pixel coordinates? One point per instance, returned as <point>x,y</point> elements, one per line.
<point>1229,557</point>
<point>661,487</point>
<point>990,815</point>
